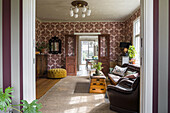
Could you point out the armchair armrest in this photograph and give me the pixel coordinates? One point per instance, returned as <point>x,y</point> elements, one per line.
<point>120,89</point>
<point>126,83</point>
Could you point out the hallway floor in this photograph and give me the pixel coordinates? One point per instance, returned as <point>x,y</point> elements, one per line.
<point>83,71</point>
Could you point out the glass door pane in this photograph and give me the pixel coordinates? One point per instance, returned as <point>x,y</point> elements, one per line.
<point>87,50</point>
<point>91,49</point>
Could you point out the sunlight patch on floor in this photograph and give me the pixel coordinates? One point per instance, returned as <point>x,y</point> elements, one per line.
<point>78,99</point>
<point>98,97</point>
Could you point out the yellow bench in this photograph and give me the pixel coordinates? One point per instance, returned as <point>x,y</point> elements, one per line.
<point>57,73</point>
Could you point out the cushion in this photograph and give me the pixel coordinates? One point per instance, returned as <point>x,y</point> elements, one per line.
<point>114,78</point>
<point>132,76</point>
<point>130,72</point>
<point>119,70</point>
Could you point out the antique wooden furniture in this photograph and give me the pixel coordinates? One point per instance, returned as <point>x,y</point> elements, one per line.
<point>104,52</point>
<point>123,60</point>
<point>97,84</point>
<point>71,55</point>
<point>41,65</point>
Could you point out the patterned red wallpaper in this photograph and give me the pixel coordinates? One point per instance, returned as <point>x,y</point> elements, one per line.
<point>117,30</point>
<point>129,25</point>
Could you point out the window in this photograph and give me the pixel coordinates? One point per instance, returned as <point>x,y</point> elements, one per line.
<point>136,39</point>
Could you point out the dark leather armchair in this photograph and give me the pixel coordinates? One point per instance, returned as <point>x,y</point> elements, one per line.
<point>124,97</point>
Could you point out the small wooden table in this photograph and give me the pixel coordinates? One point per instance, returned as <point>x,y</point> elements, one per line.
<point>97,84</point>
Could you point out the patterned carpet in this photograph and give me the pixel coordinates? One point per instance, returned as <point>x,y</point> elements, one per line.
<point>62,99</point>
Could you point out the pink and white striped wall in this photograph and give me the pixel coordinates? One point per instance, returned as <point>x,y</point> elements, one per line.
<point>17,68</point>
<point>11,60</point>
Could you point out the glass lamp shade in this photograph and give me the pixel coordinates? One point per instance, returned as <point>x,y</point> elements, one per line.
<point>88,12</point>
<point>83,15</point>
<point>71,13</point>
<point>76,10</point>
<point>76,15</point>
<point>84,9</point>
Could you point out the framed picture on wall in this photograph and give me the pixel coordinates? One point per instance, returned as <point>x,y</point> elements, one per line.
<point>55,45</point>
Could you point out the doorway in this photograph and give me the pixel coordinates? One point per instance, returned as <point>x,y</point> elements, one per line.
<point>148,11</point>
<point>87,48</point>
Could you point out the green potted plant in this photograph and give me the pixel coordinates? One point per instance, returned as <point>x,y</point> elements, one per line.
<point>6,103</point>
<point>98,67</point>
<point>41,47</point>
<point>132,53</point>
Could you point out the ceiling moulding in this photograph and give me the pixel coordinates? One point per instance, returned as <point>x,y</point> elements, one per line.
<point>87,34</point>
<point>131,14</point>
<point>38,19</point>
<point>122,20</point>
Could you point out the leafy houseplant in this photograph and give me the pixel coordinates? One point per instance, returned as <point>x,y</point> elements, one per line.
<point>41,47</point>
<point>6,102</point>
<point>132,52</point>
<point>98,67</point>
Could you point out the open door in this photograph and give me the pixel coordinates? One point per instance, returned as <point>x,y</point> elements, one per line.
<point>104,52</point>
<point>71,55</point>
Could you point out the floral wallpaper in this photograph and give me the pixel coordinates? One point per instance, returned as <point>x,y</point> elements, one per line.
<point>129,25</point>
<point>119,31</point>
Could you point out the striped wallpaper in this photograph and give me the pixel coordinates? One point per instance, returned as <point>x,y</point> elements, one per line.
<point>1,67</point>
<point>10,47</point>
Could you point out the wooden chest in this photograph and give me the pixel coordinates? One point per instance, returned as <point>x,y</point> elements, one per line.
<point>98,84</point>
<point>41,65</point>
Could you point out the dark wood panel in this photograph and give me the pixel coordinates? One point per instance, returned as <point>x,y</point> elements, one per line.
<point>41,65</point>
<point>105,59</point>
<point>71,60</point>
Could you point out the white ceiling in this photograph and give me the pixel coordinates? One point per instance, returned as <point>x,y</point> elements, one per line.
<point>102,10</point>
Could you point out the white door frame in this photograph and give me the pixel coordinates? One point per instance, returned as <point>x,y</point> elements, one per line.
<point>146,84</point>
<point>29,87</point>
<point>146,79</point>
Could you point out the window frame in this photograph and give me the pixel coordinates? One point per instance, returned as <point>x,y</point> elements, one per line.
<point>134,38</point>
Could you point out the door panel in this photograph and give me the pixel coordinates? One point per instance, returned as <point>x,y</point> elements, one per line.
<point>104,52</point>
<point>71,55</point>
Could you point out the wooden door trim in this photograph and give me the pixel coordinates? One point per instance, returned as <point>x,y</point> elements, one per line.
<point>75,53</point>
<point>108,50</point>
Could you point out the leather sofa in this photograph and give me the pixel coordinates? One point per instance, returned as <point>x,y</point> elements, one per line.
<point>124,97</point>
<point>115,79</point>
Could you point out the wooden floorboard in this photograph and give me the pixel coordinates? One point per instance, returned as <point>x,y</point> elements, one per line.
<point>43,85</point>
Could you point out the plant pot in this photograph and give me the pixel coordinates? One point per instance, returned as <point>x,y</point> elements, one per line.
<point>133,62</point>
<point>97,73</point>
<point>42,50</point>
<point>37,52</point>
